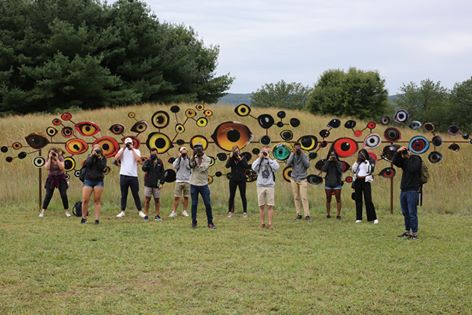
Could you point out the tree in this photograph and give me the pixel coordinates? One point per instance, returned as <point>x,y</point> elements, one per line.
<point>355,93</point>
<point>461,108</point>
<point>60,53</point>
<point>281,94</point>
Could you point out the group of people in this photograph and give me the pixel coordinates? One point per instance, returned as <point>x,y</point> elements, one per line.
<point>192,180</point>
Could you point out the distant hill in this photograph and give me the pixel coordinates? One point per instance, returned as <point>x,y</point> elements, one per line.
<point>235,99</point>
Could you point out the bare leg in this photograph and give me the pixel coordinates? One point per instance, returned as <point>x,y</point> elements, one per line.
<point>338,203</point>
<point>328,202</point>
<point>146,205</point>
<point>261,214</point>
<point>176,203</point>
<point>270,213</point>
<point>185,202</point>
<point>158,205</point>
<point>86,192</point>
<point>97,200</point>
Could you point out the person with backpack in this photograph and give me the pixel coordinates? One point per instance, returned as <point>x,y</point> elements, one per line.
<point>238,165</point>
<point>300,163</point>
<point>153,180</point>
<point>363,170</point>
<point>411,182</point>
<point>265,167</point>
<point>95,166</point>
<point>56,179</point>
<point>182,183</point>
<point>333,183</point>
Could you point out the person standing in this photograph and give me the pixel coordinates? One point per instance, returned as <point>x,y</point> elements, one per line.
<point>199,163</point>
<point>182,183</point>
<point>363,169</point>
<point>265,167</point>
<point>238,165</point>
<point>56,179</point>
<point>300,163</point>
<point>95,165</point>
<point>409,186</point>
<point>129,158</point>
<point>153,181</point>
<point>333,183</point>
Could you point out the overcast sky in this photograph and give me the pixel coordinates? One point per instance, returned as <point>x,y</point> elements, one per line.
<point>263,41</point>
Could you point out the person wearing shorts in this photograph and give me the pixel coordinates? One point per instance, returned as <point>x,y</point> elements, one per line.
<point>265,167</point>
<point>153,180</point>
<point>333,183</point>
<point>95,165</point>
<point>182,183</point>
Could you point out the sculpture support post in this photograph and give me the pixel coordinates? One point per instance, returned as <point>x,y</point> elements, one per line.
<point>391,192</point>
<point>40,180</point>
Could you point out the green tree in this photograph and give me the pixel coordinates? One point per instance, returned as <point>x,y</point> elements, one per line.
<point>355,93</point>
<point>281,94</point>
<point>461,108</point>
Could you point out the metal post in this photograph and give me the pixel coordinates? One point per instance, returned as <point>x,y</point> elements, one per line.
<point>40,180</point>
<point>391,191</point>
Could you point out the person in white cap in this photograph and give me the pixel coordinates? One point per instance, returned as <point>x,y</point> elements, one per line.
<point>182,183</point>
<point>129,158</point>
<point>200,163</point>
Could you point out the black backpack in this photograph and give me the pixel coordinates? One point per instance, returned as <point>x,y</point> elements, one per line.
<point>77,209</point>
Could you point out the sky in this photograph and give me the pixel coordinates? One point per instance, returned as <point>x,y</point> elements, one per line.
<point>264,41</point>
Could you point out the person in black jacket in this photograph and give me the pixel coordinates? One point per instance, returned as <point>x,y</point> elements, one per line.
<point>333,183</point>
<point>410,186</point>
<point>239,166</point>
<point>153,181</point>
<point>95,165</point>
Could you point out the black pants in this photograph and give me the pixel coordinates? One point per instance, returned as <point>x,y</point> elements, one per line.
<point>129,182</point>
<point>62,190</point>
<point>363,188</point>
<point>232,193</point>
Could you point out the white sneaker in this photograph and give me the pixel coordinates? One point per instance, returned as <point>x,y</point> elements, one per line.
<point>141,214</point>
<point>173,214</point>
<point>245,214</point>
<point>358,221</point>
<point>185,213</point>
<point>41,213</point>
<point>67,213</point>
<point>376,221</point>
<point>121,214</point>
<point>230,214</point>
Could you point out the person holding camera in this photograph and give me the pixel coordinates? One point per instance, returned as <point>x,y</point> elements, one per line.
<point>409,186</point>
<point>363,170</point>
<point>129,158</point>
<point>182,183</point>
<point>56,179</point>
<point>153,180</point>
<point>333,183</point>
<point>199,163</point>
<point>265,167</point>
<point>300,163</point>
<point>95,165</point>
<point>238,165</point>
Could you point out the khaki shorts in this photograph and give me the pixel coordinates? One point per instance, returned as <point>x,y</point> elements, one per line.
<point>182,190</point>
<point>266,196</point>
<point>151,192</point>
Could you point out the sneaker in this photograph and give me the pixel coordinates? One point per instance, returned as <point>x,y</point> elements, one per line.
<point>328,216</point>
<point>262,226</point>
<point>405,234</point>
<point>307,218</point>
<point>184,213</point>
<point>269,226</point>
<point>244,214</point>
<point>338,217</point>
<point>173,214</point>
<point>211,226</point>
<point>141,214</point>
<point>146,218</point>
<point>67,213</point>
<point>121,214</point>
<point>41,214</point>
<point>298,217</point>
<point>194,225</point>
<point>83,221</point>
<point>376,221</point>
<point>230,214</point>
<point>413,236</point>
<point>97,221</point>
<point>157,218</point>
<point>358,221</point>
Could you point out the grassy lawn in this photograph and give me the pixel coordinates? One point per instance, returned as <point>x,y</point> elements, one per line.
<point>55,265</point>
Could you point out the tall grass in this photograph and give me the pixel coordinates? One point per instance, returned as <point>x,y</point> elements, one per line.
<point>448,190</point>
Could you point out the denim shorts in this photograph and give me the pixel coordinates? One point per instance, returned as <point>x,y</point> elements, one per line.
<point>92,183</point>
<point>333,188</point>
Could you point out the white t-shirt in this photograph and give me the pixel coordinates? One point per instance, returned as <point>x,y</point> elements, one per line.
<point>363,169</point>
<point>129,166</point>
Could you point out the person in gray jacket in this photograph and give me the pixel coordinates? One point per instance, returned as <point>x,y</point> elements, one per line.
<point>300,163</point>
<point>182,183</point>
<point>333,183</point>
<point>265,167</point>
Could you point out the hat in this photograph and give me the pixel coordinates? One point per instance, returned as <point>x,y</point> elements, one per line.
<point>128,140</point>
<point>198,144</point>
<point>182,149</point>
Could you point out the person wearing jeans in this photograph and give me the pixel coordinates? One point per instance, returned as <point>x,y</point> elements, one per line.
<point>300,163</point>
<point>129,158</point>
<point>199,163</point>
<point>409,186</point>
<point>363,169</point>
<point>238,165</point>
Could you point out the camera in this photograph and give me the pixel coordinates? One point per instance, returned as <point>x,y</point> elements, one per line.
<point>54,154</point>
<point>298,151</point>
<point>404,152</point>
<point>98,151</point>
<point>198,151</point>
<point>184,154</point>
<point>236,155</point>
<point>264,153</point>
<point>128,145</point>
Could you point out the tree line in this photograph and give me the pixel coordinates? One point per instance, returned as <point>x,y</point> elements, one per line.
<point>58,54</point>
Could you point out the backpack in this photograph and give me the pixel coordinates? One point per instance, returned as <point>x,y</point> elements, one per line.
<point>77,209</point>
<point>424,173</point>
<point>83,173</point>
